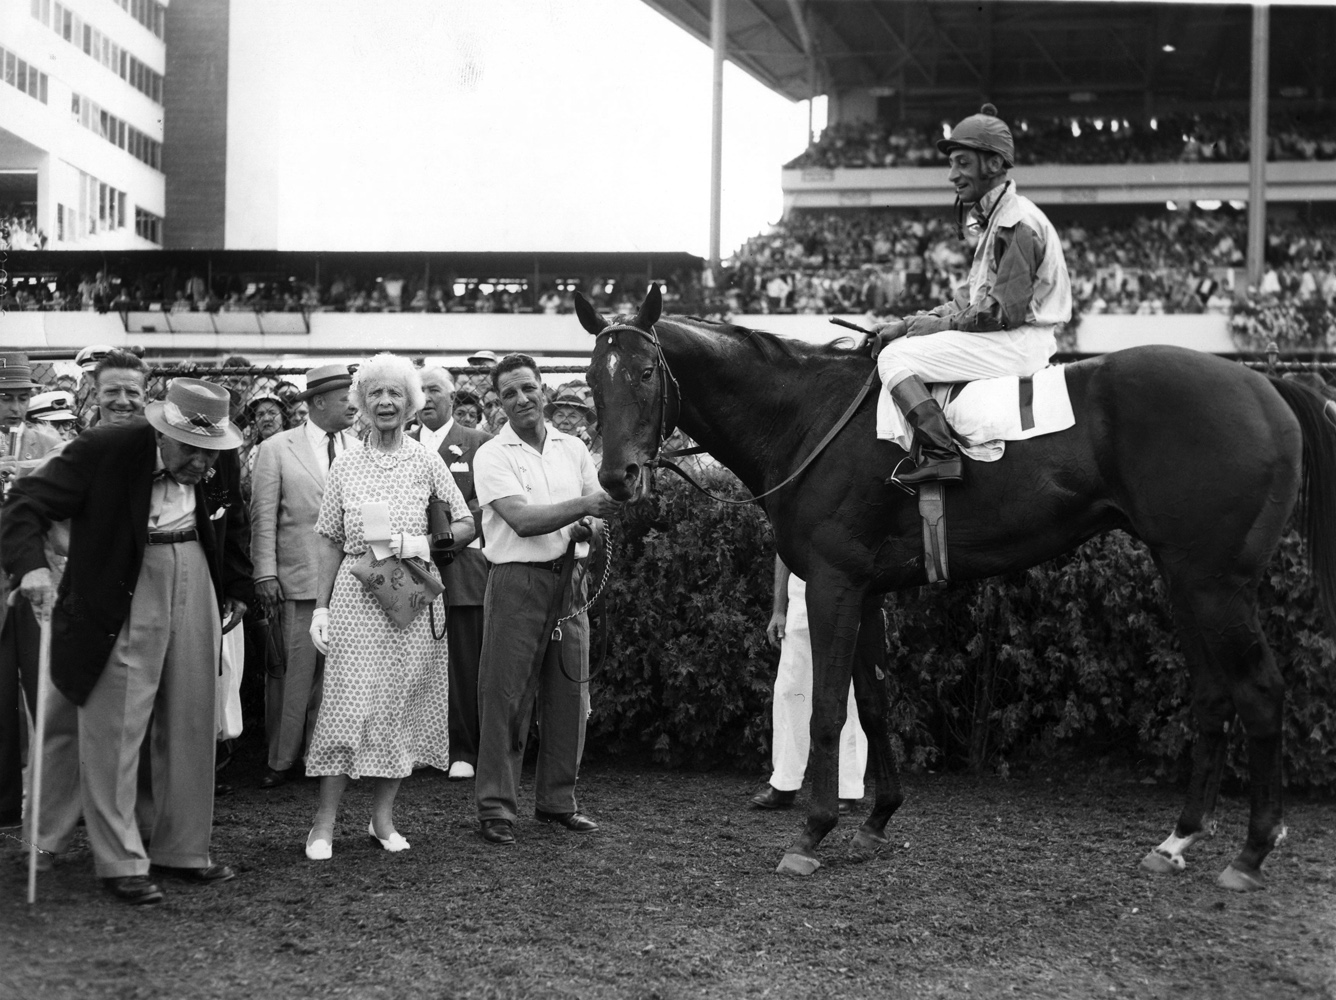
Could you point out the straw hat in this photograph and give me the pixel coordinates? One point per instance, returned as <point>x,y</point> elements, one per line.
<point>575,394</point>
<point>195,413</point>
<point>325,378</point>
<point>483,359</point>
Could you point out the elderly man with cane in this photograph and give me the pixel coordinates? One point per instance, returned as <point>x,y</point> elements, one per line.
<point>157,569</point>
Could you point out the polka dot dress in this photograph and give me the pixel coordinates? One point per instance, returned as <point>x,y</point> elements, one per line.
<point>384,710</point>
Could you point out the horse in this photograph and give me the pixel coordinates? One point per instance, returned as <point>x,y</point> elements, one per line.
<point>1201,458</point>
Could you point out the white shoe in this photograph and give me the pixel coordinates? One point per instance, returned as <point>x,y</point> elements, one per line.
<point>319,849</point>
<point>394,843</point>
<point>460,770</point>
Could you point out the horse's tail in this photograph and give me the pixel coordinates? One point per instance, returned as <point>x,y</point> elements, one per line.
<point>1317,417</point>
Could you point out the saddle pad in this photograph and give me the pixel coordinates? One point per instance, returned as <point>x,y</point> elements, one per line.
<point>985,413</point>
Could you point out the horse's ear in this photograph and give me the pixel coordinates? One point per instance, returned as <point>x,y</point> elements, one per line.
<point>651,308</point>
<point>589,319</point>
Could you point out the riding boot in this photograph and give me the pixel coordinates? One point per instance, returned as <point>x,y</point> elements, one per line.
<point>936,456</point>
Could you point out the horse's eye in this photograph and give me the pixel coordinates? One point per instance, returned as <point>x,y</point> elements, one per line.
<point>647,374</point>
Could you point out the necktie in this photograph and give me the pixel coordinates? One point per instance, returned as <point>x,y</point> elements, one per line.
<point>329,446</point>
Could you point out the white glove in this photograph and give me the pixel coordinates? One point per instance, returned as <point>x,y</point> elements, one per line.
<point>320,630</point>
<point>410,546</point>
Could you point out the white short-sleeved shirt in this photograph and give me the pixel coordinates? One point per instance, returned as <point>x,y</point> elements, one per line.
<point>505,467</point>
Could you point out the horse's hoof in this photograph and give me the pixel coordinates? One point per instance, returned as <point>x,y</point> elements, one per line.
<point>1156,862</point>
<point>797,864</point>
<point>1238,880</point>
<point>865,842</point>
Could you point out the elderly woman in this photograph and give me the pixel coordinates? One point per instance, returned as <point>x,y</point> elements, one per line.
<point>385,689</point>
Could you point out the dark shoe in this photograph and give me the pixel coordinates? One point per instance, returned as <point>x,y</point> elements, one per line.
<point>773,798</point>
<point>134,889</point>
<point>221,788</point>
<point>497,831</point>
<point>272,778</point>
<point>573,821</point>
<point>935,454</point>
<point>200,876</point>
<point>847,806</point>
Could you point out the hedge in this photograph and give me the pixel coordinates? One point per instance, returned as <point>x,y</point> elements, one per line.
<point>1075,658</point>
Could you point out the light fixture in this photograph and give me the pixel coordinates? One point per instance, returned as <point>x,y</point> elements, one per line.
<point>1208,204</point>
<point>1166,47</point>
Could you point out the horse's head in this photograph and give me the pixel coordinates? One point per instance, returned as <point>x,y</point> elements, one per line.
<point>633,394</point>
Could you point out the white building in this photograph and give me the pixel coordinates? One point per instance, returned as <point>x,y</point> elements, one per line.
<point>81,122</point>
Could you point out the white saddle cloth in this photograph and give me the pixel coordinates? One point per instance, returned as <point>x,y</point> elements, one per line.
<point>989,412</point>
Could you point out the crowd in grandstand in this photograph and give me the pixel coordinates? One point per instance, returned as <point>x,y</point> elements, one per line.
<point>882,261</point>
<point>19,229</point>
<point>1220,136</point>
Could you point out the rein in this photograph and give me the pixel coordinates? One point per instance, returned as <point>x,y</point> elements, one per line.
<point>661,458</point>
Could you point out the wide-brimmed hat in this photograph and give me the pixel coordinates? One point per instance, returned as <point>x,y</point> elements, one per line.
<point>15,372</point>
<point>325,378</point>
<point>480,359</point>
<point>52,406</point>
<point>88,358</point>
<point>578,395</point>
<point>195,413</point>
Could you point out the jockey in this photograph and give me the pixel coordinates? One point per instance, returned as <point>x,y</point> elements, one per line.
<point>1002,323</point>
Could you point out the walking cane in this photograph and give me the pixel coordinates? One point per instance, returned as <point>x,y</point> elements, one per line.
<point>35,751</point>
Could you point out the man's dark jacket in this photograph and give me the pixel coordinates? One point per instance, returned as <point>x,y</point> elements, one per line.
<point>102,483</point>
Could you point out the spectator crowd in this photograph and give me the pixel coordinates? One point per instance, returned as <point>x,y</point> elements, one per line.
<point>884,261</point>
<point>1209,137</point>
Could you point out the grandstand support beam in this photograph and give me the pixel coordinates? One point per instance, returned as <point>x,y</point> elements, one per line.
<point>719,45</point>
<point>1261,38</point>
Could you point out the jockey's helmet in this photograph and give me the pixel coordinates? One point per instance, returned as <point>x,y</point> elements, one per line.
<point>983,133</point>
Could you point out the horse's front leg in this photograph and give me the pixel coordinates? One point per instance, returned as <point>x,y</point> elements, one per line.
<point>833,610</point>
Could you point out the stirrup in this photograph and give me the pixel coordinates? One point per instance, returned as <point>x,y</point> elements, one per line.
<point>951,470</point>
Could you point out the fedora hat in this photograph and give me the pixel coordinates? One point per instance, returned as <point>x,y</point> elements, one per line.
<point>15,372</point>
<point>325,378</point>
<point>575,394</point>
<point>195,413</point>
<point>52,406</point>
<point>482,359</point>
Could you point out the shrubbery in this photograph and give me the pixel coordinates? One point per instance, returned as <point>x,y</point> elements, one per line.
<point>1075,657</point>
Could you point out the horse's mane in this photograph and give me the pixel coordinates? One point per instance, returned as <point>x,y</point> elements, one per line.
<point>770,346</point>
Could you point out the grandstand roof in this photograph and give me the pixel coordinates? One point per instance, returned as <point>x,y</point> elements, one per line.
<point>1028,57</point>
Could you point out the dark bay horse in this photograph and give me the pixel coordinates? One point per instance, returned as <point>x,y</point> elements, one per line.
<point>1200,458</point>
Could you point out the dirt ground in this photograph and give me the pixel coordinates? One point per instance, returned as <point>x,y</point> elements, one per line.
<point>1027,887</point>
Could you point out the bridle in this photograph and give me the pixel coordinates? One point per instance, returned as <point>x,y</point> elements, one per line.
<point>660,459</point>
<point>666,424</point>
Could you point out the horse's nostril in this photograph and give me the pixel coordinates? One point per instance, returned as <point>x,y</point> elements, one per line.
<point>632,472</point>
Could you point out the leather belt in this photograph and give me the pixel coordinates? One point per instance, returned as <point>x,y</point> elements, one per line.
<point>552,567</point>
<point>172,537</point>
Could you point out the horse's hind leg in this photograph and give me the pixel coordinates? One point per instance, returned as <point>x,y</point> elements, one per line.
<point>874,714</point>
<point>1233,671</point>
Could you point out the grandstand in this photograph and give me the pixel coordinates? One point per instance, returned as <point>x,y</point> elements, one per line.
<point>1132,122</point>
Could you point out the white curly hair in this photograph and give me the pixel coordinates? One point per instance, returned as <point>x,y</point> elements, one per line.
<point>388,369</point>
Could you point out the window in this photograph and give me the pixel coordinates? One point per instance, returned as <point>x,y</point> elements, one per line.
<point>18,74</point>
<point>148,226</point>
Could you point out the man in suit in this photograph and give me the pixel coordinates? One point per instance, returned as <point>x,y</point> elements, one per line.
<point>23,445</point>
<point>465,578</point>
<point>157,569</point>
<point>287,487</point>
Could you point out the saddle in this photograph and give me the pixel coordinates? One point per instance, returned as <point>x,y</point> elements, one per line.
<point>983,416</point>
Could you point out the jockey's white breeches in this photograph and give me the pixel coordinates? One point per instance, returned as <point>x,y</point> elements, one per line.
<point>961,356</point>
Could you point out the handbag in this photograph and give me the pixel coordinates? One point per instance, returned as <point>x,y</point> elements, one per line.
<point>402,587</point>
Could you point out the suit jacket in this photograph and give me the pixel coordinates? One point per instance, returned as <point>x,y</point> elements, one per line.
<point>287,486</point>
<point>102,482</point>
<point>465,578</point>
